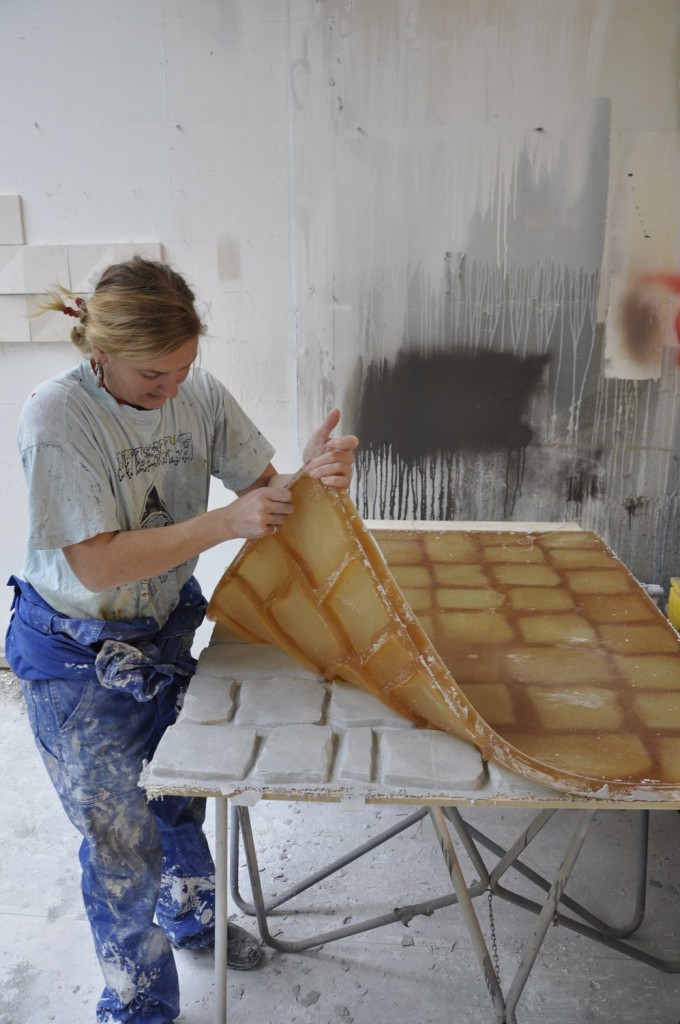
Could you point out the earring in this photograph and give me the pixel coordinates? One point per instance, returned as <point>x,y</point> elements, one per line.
<point>99,374</point>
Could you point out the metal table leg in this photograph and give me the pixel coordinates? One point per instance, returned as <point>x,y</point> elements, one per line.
<point>221,909</point>
<point>601,933</point>
<point>505,1006</point>
<point>260,907</point>
<point>468,913</point>
<point>317,876</point>
<point>614,931</point>
<point>547,914</point>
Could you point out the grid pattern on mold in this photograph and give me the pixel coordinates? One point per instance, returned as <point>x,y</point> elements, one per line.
<point>554,643</point>
<point>320,589</point>
<point>539,647</point>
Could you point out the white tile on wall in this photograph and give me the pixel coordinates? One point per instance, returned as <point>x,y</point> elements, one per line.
<point>12,270</point>
<point>86,262</point>
<point>11,221</point>
<point>14,319</point>
<point>50,326</point>
<point>44,267</point>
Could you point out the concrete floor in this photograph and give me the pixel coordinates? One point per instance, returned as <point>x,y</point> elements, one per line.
<point>426,973</point>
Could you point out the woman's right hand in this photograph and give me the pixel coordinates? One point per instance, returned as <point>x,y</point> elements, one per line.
<point>259,512</point>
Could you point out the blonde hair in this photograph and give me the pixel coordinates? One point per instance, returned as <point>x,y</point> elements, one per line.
<point>140,309</point>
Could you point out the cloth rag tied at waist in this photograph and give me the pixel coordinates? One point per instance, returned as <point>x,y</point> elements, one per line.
<point>134,655</point>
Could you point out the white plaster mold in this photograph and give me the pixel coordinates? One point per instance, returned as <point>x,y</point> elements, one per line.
<point>205,752</point>
<point>280,701</point>
<point>429,759</point>
<point>279,732</point>
<point>356,758</point>
<point>210,701</point>
<point>295,754</point>
<point>506,782</point>
<point>251,661</point>
<point>352,706</point>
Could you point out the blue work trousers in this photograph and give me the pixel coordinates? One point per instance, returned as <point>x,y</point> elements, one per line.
<point>139,858</point>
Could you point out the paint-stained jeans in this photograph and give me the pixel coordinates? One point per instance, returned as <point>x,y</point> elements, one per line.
<point>138,857</point>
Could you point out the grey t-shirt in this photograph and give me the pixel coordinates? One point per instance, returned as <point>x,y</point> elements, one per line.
<point>93,466</point>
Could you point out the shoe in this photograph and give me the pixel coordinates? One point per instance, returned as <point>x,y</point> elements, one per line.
<point>244,951</point>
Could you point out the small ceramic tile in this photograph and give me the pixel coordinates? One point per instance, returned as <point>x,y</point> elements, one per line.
<point>44,267</point>
<point>86,262</point>
<point>12,280</point>
<point>270,702</point>
<point>11,221</point>
<point>51,326</point>
<point>14,324</point>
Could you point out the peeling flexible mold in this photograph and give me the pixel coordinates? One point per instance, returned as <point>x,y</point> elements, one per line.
<point>535,645</point>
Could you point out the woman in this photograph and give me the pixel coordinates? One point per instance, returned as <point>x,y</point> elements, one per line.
<point>118,453</point>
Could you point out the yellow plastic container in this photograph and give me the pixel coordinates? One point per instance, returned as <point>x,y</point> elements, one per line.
<point>673,606</point>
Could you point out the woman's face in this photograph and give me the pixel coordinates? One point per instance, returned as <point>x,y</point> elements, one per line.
<point>147,384</point>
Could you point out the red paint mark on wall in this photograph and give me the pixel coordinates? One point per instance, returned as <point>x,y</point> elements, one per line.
<point>646,318</point>
<point>670,283</point>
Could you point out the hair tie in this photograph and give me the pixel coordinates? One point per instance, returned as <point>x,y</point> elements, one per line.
<point>70,311</point>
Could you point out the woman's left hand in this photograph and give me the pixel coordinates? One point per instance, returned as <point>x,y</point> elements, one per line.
<point>330,459</point>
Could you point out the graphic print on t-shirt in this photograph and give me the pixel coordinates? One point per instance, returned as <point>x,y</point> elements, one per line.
<point>168,450</point>
<point>154,512</point>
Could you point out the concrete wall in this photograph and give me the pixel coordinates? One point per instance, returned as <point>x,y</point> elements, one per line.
<point>417,210</point>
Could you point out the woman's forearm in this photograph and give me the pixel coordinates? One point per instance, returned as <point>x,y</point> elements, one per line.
<point>110,560</point>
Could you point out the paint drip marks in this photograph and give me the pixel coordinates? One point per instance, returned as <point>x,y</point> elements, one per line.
<point>386,487</point>
<point>584,485</point>
<point>494,362</point>
<point>420,416</point>
<point>633,505</point>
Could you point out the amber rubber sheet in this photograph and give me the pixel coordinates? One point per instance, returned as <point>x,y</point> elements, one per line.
<point>539,648</point>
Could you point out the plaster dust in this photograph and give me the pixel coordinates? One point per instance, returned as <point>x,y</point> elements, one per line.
<point>48,973</point>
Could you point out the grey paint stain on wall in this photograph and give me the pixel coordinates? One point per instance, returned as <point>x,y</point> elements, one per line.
<point>426,409</point>
<point>448,402</point>
<point>465,382</point>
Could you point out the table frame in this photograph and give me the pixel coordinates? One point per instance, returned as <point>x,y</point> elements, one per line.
<point>446,819</point>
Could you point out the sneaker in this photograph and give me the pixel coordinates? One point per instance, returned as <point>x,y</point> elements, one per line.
<point>244,951</point>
